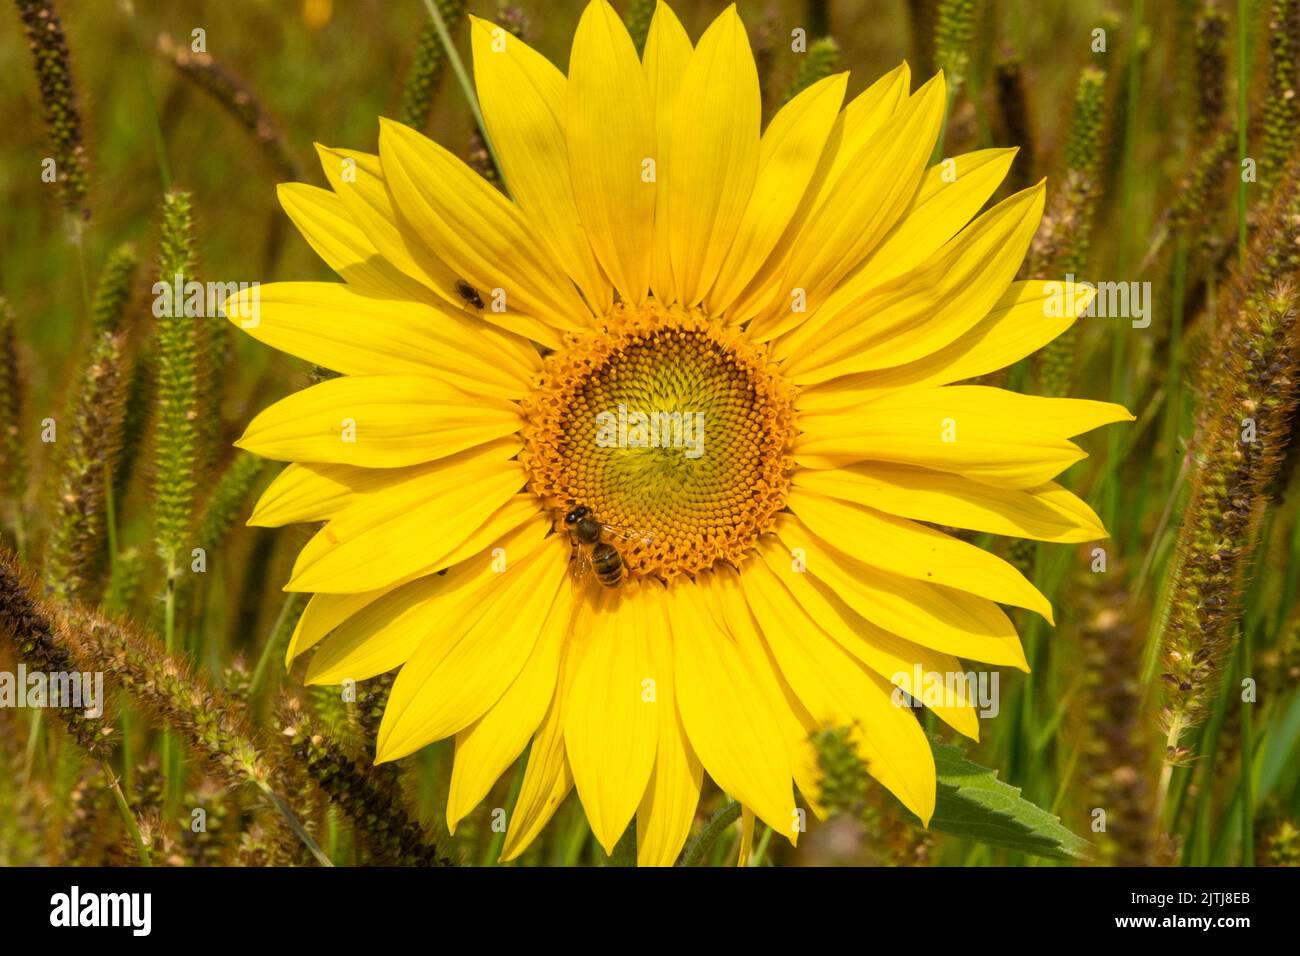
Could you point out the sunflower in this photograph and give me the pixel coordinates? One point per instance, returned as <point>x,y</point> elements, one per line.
<point>797,302</point>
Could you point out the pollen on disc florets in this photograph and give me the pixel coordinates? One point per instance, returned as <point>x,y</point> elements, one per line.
<point>666,423</point>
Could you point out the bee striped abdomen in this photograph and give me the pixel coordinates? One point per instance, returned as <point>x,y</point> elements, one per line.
<point>608,564</point>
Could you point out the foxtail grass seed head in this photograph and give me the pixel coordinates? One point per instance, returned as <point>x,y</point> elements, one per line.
<point>85,822</point>
<point>228,500</point>
<point>1250,391</point>
<point>953,32</point>
<point>1115,737</point>
<point>176,432</point>
<point>214,842</point>
<point>13,456</point>
<point>872,827</point>
<point>427,66</point>
<point>1061,246</point>
<point>820,61</point>
<point>109,310</point>
<point>843,775</point>
<point>230,91</point>
<point>1282,103</point>
<point>221,511</point>
<point>67,167</point>
<point>211,725</point>
<point>1211,66</point>
<point>353,785</point>
<point>1197,208</point>
<point>1086,138</point>
<point>1283,848</point>
<point>1013,126</point>
<point>87,458</point>
<point>32,627</point>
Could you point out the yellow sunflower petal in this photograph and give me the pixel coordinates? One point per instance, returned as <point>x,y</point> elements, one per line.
<point>1045,513</point>
<point>861,206</point>
<point>951,194</point>
<point>452,506</point>
<point>790,151</point>
<point>931,615</point>
<point>989,434</point>
<point>357,178</point>
<point>615,698</point>
<point>483,236</point>
<point>796,725</point>
<point>915,551</point>
<point>378,630</point>
<point>922,311</point>
<point>488,746</point>
<point>378,421</point>
<point>839,692</point>
<point>449,683</point>
<point>610,128</point>
<point>766,299</point>
<point>324,222</point>
<point>667,51</point>
<point>547,777</point>
<point>316,492</point>
<point>1021,323</point>
<point>667,810</point>
<point>800,597</point>
<point>302,493</point>
<point>746,836</point>
<point>726,716</point>
<point>380,636</point>
<point>712,156</point>
<point>523,100</point>
<point>323,613</point>
<point>341,329</point>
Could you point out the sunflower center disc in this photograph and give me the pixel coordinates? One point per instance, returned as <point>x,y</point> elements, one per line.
<point>668,426</point>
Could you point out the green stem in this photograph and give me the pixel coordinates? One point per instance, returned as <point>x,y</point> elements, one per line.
<point>1209,746</point>
<point>294,824</point>
<point>110,524</point>
<point>493,855</point>
<point>170,746</point>
<point>1247,759</point>
<point>159,141</point>
<point>33,740</point>
<point>1119,348</point>
<point>264,659</point>
<point>462,78</point>
<point>699,847</point>
<point>1174,381</point>
<point>1242,79</point>
<point>760,852</point>
<point>127,816</point>
<point>1166,774</point>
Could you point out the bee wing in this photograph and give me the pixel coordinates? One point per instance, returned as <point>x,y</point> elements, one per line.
<point>580,566</point>
<point>629,534</point>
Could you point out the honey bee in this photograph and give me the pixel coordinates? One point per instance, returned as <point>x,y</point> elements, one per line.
<point>469,294</point>
<point>591,552</point>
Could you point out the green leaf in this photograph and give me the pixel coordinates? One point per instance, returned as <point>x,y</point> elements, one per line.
<point>972,802</point>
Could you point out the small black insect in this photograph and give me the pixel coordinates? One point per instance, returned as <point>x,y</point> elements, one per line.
<point>469,294</point>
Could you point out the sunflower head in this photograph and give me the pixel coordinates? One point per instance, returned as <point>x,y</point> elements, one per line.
<point>739,349</point>
<point>664,421</point>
